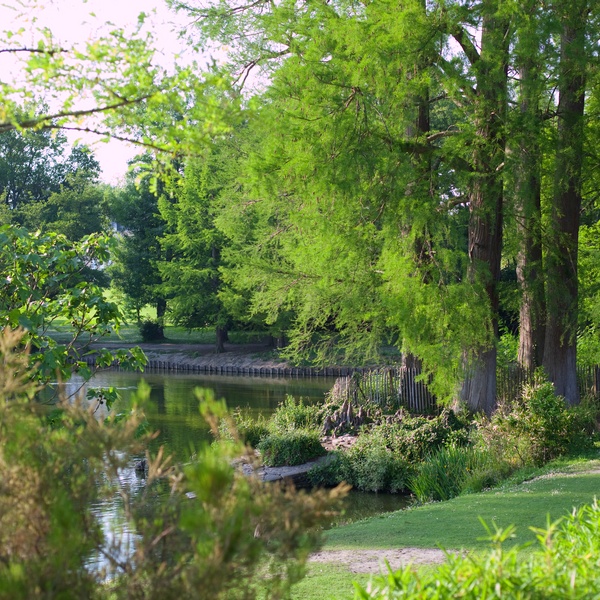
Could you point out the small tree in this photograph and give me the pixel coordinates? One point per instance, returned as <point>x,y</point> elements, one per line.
<point>43,285</point>
<point>191,275</point>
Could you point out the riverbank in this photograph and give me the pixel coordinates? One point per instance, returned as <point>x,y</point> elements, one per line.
<point>415,535</point>
<point>237,359</point>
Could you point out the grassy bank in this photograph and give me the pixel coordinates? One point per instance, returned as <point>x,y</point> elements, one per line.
<point>456,524</point>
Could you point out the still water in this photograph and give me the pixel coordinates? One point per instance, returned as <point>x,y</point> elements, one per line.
<point>173,405</point>
<point>173,410</point>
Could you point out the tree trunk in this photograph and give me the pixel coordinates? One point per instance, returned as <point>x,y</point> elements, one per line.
<point>486,203</point>
<point>528,197</point>
<point>222,337</point>
<point>161,309</point>
<point>560,351</point>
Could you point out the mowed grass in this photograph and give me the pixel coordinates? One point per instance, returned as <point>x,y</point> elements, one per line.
<point>130,333</point>
<point>327,582</point>
<point>456,524</point>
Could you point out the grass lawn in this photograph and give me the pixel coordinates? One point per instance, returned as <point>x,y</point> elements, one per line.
<point>130,333</point>
<point>456,524</point>
<point>327,582</point>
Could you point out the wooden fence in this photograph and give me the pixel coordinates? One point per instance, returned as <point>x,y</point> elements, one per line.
<point>391,387</point>
<point>510,381</point>
<point>403,387</point>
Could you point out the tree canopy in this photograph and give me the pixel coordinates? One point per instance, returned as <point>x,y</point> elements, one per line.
<point>382,184</point>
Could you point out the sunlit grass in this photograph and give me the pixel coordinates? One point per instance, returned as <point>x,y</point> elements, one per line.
<point>456,524</point>
<point>548,494</point>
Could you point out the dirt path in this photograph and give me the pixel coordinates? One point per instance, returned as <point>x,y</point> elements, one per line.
<point>373,561</point>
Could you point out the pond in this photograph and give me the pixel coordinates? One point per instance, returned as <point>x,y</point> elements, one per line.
<point>173,410</point>
<point>173,407</point>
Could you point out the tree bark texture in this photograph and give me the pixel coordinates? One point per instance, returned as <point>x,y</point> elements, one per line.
<point>560,350</point>
<point>486,202</point>
<point>222,336</point>
<point>530,275</point>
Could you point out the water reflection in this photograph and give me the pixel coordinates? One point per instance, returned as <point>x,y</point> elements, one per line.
<point>173,408</point>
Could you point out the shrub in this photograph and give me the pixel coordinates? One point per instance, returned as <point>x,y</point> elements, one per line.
<point>294,414</point>
<point>415,437</point>
<point>559,568</point>
<point>386,455</point>
<point>151,331</point>
<point>291,448</point>
<point>444,473</point>
<point>538,427</point>
<point>373,465</point>
<point>250,430</point>
<point>329,473</point>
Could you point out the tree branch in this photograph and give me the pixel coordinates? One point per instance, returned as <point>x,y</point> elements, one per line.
<point>32,50</point>
<point>464,41</point>
<point>44,121</point>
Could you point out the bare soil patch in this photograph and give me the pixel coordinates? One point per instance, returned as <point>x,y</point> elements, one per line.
<point>374,561</point>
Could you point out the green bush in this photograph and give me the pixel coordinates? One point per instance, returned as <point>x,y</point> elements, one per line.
<point>249,429</point>
<point>415,437</point>
<point>329,473</point>
<point>294,414</point>
<point>291,448</point>
<point>562,566</point>
<point>444,473</point>
<point>374,465</point>
<point>538,427</point>
<point>151,331</point>
<point>385,456</point>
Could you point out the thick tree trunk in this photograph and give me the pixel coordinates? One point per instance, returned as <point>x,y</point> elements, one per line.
<point>560,351</point>
<point>528,209</point>
<point>161,309</point>
<point>222,337</point>
<point>486,203</point>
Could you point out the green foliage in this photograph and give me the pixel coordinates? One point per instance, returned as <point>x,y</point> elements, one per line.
<point>331,472</point>
<point>237,538</point>
<point>151,330</point>
<point>538,427</point>
<point>388,455</point>
<point>291,436</point>
<point>415,437</point>
<point>249,428</point>
<point>557,568</point>
<point>35,165</point>
<point>374,463</point>
<point>508,348</point>
<point>292,447</point>
<point>190,269</point>
<point>45,281</point>
<point>294,414</point>
<point>444,473</point>
<point>137,250</point>
<point>109,83</point>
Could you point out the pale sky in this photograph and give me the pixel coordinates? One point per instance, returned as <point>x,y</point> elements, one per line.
<point>77,20</point>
